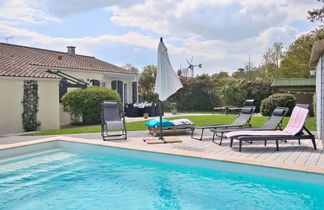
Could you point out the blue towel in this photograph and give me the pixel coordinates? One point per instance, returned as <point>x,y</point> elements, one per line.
<point>156,123</point>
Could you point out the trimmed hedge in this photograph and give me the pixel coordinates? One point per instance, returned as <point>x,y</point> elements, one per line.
<point>84,105</point>
<point>275,100</point>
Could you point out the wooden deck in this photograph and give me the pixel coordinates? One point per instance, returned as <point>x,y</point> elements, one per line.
<point>290,155</point>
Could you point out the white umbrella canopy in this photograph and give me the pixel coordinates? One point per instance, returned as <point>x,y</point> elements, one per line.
<point>167,82</point>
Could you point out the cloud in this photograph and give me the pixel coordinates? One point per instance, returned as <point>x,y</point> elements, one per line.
<point>23,11</point>
<point>221,20</point>
<point>63,8</point>
<point>220,34</point>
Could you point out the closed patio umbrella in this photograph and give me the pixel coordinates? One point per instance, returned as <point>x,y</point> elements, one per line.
<point>167,82</point>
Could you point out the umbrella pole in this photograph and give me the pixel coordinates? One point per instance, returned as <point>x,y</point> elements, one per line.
<point>161,130</point>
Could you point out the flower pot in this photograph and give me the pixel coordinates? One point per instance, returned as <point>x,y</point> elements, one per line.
<point>146,115</point>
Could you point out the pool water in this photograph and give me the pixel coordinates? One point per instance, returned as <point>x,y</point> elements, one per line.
<point>64,179</point>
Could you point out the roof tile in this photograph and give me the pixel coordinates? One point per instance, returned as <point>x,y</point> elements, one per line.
<point>22,61</point>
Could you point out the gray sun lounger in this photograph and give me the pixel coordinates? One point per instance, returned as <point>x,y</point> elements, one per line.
<point>112,120</point>
<point>243,120</point>
<point>295,130</point>
<point>274,122</point>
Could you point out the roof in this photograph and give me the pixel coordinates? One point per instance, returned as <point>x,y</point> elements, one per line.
<point>22,61</point>
<point>317,52</point>
<point>297,82</point>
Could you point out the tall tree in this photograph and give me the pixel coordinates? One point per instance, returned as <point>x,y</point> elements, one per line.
<point>295,62</point>
<point>317,15</point>
<point>271,62</point>
<point>146,83</point>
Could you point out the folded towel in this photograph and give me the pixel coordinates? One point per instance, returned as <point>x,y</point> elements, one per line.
<point>181,122</point>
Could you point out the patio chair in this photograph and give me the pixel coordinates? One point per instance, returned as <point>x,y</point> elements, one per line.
<point>273,123</point>
<point>295,130</point>
<point>112,120</point>
<point>243,120</point>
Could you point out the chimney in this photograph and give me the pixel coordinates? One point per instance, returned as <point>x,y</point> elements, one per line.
<point>71,50</point>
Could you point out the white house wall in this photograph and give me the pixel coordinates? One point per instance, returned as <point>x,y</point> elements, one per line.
<point>11,108</point>
<point>320,98</point>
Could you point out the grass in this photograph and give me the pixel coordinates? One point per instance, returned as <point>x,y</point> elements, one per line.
<point>198,120</point>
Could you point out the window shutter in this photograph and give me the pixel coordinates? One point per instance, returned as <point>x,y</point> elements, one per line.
<point>114,85</point>
<point>120,89</point>
<point>134,92</point>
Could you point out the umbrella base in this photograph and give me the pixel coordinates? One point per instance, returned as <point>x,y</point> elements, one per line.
<point>165,140</point>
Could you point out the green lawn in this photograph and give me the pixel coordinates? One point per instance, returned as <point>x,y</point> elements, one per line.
<point>139,125</point>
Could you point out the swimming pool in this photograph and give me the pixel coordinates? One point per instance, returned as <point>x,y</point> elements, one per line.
<point>65,175</point>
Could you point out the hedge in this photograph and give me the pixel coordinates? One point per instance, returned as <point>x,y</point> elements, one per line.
<point>275,100</point>
<point>84,105</point>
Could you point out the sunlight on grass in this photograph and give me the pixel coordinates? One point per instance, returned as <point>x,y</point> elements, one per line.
<point>198,120</point>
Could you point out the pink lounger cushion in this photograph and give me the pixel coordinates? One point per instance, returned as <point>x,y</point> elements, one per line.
<point>294,126</point>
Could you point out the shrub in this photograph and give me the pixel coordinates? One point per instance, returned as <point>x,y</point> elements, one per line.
<point>30,105</point>
<point>196,95</point>
<point>278,99</point>
<point>85,104</point>
<point>257,90</point>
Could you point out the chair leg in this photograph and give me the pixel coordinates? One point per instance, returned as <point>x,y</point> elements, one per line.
<point>201,137</point>
<point>220,143</point>
<point>299,141</point>
<point>314,143</point>
<point>231,144</point>
<point>202,133</point>
<point>214,133</point>
<point>277,145</point>
<point>265,143</point>
<point>240,146</point>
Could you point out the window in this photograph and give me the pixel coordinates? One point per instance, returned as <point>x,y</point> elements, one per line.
<point>103,84</point>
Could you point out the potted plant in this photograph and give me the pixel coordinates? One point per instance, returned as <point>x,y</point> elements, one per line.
<point>174,108</point>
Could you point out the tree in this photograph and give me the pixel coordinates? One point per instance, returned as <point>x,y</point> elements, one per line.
<point>147,83</point>
<point>232,94</point>
<point>131,68</point>
<point>316,14</point>
<point>196,95</point>
<point>257,90</point>
<point>295,62</point>
<point>271,62</point>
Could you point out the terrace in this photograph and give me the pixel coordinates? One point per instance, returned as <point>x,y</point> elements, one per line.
<point>291,155</point>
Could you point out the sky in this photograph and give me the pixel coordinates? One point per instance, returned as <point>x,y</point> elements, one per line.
<point>220,34</point>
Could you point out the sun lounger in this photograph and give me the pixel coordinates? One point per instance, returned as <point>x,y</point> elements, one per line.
<point>274,122</point>
<point>243,120</point>
<point>171,125</point>
<point>295,130</point>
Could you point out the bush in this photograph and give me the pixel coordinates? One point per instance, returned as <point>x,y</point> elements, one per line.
<point>278,99</point>
<point>196,95</point>
<point>257,90</point>
<point>84,105</point>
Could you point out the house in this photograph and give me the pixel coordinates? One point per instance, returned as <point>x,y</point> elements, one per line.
<point>317,59</point>
<point>302,88</point>
<point>56,73</point>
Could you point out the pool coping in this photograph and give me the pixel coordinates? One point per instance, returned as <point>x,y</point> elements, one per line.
<point>123,145</point>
